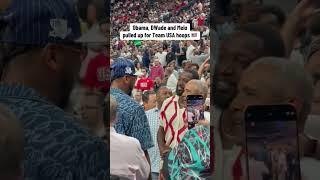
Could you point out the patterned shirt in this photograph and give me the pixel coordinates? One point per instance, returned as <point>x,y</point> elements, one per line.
<point>153,116</point>
<point>191,156</point>
<point>132,120</point>
<point>173,120</point>
<point>56,146</point>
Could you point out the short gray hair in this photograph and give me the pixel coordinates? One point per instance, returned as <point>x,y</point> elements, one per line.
<point>292,76</point>
<point>113,109</point>
<point>201,86</point>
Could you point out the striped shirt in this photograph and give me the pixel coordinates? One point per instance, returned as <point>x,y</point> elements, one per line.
<point>153,116</point>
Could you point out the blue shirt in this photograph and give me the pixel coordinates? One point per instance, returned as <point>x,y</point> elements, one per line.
<point>153,116</point>
<point>56,146</point>
<point>131,119</point>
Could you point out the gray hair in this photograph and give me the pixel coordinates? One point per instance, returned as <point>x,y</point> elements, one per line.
<point>292,76</point>
<point>113,109</point>
<point>201,86</point>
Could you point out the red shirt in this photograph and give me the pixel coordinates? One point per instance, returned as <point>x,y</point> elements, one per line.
<point>201,21</point>
<point>144,84</point>
<point>97,75</point>
<point>156,71</point>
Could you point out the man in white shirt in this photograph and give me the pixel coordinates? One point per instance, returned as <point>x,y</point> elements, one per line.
<point>161,55</point>
<point>127,159</point>
<point>190,49</point>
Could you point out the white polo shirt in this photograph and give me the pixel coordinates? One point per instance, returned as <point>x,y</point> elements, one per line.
<point>127,159</point>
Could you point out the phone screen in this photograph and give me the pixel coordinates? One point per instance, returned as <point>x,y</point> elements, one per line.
<point>272,143</point>
<point>195,110</point>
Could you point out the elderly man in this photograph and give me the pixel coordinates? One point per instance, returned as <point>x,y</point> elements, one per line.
<point>187,160</point>
<point>127,159</point>
<point>256,88</point>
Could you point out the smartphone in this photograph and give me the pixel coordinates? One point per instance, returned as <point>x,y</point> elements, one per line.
<point>195,110</point>
<point>272,143</point>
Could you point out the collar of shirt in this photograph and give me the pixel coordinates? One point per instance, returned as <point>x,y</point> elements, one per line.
<point>20,91</point>
<point>112,130</point>
<point>154,110</point>
<point>116,90</point>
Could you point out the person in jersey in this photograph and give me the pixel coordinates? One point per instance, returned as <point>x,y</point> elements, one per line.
<point>144,83</point>
<point>98,70</point>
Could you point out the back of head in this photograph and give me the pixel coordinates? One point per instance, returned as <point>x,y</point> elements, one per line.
<point>11,145</point>
<point>146,95</point>
<point>195,74</point>
<point>273,44</point>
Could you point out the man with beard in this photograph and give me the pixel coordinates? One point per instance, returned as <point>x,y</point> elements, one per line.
<point>237,51</point>
<point>40,72</point>
<point>173,117</point>
<point>132,120</point>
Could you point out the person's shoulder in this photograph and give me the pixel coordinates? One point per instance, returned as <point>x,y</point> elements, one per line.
<point>170,99</point>
<point>128,141</point>
<point>58,129</point>
<point>151,111</point>
<point>126,103</point>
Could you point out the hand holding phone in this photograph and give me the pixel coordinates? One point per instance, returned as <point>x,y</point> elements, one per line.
<point>272,142</point>
<point>195,110</point>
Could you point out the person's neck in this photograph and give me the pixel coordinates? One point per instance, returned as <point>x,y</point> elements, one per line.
<point>45,88</point>
<point>119,86</point>
<point>180,102</point>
